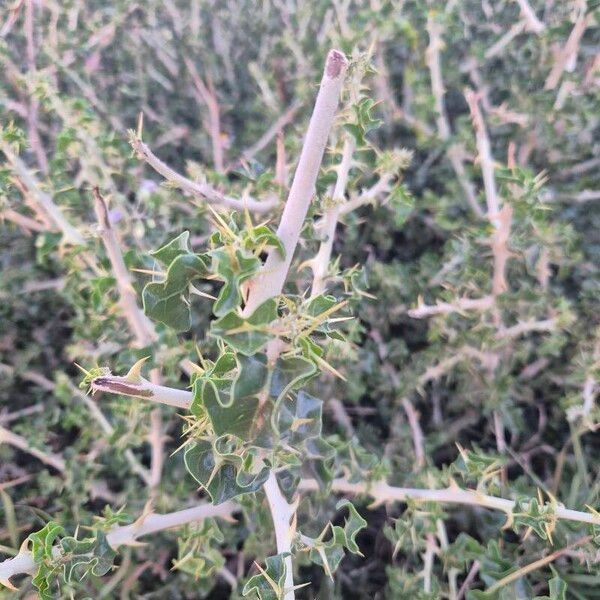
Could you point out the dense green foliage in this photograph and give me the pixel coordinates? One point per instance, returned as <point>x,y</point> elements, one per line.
<point>386,374</point>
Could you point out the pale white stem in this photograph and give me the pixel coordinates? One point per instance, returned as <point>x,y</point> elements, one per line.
<point>499,218</point>
<point>533,23</point>
<point>579,168</point>
<point>229,577</point>
<point>432,57</point>
<point>444,366</point>
<point>328,223</point>
<point>27,224</point>
<point>413,420</point>
<point>543,268</point>
<point>500,251</point>
<point>206,92</point>
<point>430,548</point>
<point>341,416</point>
<point>579,197</point>
<point>488,360</point>
<point>17,441</point>
<point>381,492</point>
<point>382,186</point>
<point>144,389</point>
<point>417,433</point>
<point>444,308</point>
<point>127,534</point>
<point>23,412</point>
<point>12,18</point>
<point>589,395</point>
<point>284,119</point>
<point>139,323</point>
<point>453,572</point>
<point>506,39</point>
<point>270,281</point>
<point>468,580</point>
<point>499,432</point>
<point>44,200</point>
<point>196,188</point>
<point>486,159</point>
<point>283,515</point>
<point>454,152</point>
<point>32,117</point>
<point>569,52</point>
<point>528,327</point>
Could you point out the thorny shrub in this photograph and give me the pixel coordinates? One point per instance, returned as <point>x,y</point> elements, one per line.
<point>353,352</point>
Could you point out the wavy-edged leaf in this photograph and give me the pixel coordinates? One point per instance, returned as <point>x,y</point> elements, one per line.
<point>171,250</point>
<point>246,336</point>
<point>233,267</point>
<point>289,374</point>
<point>269,583</point>
<point>330,553</point>
<point>168,301</point>
<point>222,479</point>
<point>300,418</point>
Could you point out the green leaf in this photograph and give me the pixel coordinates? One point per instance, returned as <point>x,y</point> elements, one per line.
<point>262,236</point>
<point>528,512</point>
<point>269,584</point>
<point>168,301</point>
<point>330,553</point>
<point>252,376</point>
<point>247,336</point>
<point>199,553</point>
<point>300,418</point>
<point>402,203</point>
<point>289,374</point>
<point>557,588</point>
<point>233,267</point>
<point>234,418</point>
<point>223,479</point>
<point>41,544</point>
<point>91,555</point>
<point>364,122</point>
<point>176,247</point>
<point>320,304</point>
<point>353,524</point>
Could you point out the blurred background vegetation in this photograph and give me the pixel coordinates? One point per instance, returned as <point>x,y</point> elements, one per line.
<point>213,78</point>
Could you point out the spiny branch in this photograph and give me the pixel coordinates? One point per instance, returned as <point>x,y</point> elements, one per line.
<point>269,283</point>
<point>125,535</point>
<point>140,326</point>
<point>198,189</point>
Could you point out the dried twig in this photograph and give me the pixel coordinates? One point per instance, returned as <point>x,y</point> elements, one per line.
<point>568,53</point>
<point>328,222</point>
<point>197,189</point>
<point>205,91</point>
<point>140,325</point>
<point>32,113</point>
<point>284,119</point>
<point>444,308</point>
<point>43,199</point>
<point>455,152</point>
